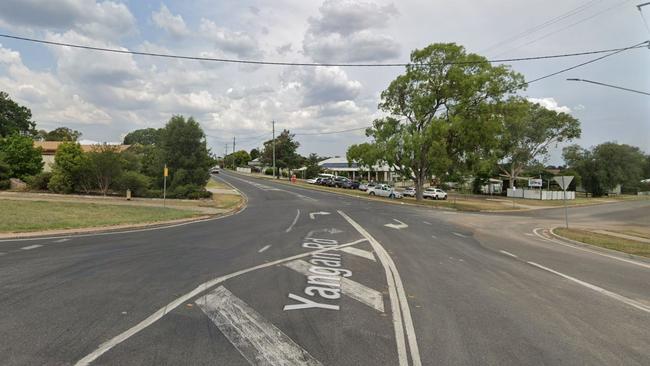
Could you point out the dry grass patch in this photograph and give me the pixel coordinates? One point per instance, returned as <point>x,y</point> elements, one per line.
<point>606,241</point>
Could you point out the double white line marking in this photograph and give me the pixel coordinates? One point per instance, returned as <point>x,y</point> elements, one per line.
<point>399,305</point>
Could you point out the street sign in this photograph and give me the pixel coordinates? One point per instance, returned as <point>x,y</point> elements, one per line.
<point>165,172</point>
<point>534,182</point>
<point>564,181</point>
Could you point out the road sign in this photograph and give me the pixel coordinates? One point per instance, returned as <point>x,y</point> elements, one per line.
<point>534,182</point>
<point>165,172</point>
<point>564,181</point>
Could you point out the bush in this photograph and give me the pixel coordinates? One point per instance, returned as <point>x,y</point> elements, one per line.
<point>39,181</point>
<point>268,171</point>
<point>189,191</point>
<point>60,183</point>
<point>136,182</point>
<point>5,184</point>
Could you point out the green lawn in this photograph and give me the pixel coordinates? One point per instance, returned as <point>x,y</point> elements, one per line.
<point>606,241</point>
<point>23,216</point>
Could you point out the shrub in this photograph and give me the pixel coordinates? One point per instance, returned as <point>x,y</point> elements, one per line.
<point>268,171</point>
<point>60,183</point>
<point>136,182</point>
<point>39,181</point>
<point>188,191</point>
<point>5,184</point>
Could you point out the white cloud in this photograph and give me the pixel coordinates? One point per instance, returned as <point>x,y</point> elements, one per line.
<point>106,20</point>
<point>551,104</point>
<point>322,85</point>
<point>173,24</point>
<point>347,31</point>
<point>238,43</point>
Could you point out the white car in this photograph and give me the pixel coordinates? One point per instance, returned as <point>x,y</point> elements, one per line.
<point>434,194</point>
<point>384,190</point>
<point>409,192</point>
<point>311,181</point>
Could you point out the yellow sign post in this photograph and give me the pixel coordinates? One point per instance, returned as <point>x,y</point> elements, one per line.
<point>165,174</point>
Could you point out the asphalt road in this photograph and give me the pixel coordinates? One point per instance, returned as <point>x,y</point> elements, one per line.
<point>307,278</point>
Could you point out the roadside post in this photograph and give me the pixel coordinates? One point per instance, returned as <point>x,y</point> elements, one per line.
<point>165,174</point>
<point>564,182</point>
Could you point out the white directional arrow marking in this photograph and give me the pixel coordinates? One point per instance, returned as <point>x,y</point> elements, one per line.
<point>313,214</point>
<point>399,226</point>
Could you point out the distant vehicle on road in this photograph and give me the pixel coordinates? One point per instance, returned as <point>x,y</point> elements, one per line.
<point>409,192</point>
<point>434,194</point>
<point>339,181</point>
<point>214,170</point>
<point>384,190</point>
<point>350,184</point>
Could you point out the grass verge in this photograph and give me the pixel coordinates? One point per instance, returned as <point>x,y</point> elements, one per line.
<point>24,216</point>
<point>606,241</point>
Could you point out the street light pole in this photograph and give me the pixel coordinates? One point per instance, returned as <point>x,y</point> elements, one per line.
<point>273,122</point>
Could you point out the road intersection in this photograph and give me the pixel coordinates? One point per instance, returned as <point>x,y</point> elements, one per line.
<point>312,278</point>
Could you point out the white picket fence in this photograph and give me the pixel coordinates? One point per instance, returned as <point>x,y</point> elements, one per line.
<point>536,194</point>
<point>244,170</point>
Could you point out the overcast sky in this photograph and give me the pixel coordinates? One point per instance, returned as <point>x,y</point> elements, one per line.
<point>107,95</point>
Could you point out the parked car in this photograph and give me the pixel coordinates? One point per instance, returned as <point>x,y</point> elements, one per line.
<point>366,186</point>
<point>350,184</point>
<point>339,181</point>
<point>409,191</point>
<point>329,182</point>
<point>384,190</point>
<point>312,180</point>
<point>434,194</point>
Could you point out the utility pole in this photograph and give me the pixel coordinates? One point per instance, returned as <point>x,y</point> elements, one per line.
<point>273,122</point>
<point>233,153</point>
<point>225,166</point>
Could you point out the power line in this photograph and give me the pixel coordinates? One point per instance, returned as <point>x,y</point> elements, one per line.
<point>586,63</point>
<point>609,85</point>
<point>564,28</point>
<point>541,26</point>
<point>274,63</point>
<point>330,132</point>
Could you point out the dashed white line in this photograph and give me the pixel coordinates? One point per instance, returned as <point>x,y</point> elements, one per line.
<point>61,240</point>
<point>426,222</point>
<point>350,288</point>
<point>601,290</point>
<point>30,247</point>
<point>508,254</point>
<point>459,234</point>
<point>434,237</point>
<point>259,341</point>
<point>106,346</point>
<point>264,248</point>
<point>294,222</point>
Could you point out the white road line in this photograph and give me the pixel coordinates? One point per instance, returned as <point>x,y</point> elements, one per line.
<point>508,253</point>
<point>459,234</point>
<point>259,341</point>
<point>398,300</point>
<point>294,222</point>
<point>268,188</point>
<point>264,248</point>
<point>61,240</point>
<point>640,264</point>
<point>352,289</point>
<point>601,290</point>
<point>360,253</point>
<point>529,234</point>
<point>433,236</point>
<point>30,247</point>
<point>106,346</point>
<point>426,222</point>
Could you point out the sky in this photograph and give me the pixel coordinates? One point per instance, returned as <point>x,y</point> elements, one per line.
<point>107,95</point>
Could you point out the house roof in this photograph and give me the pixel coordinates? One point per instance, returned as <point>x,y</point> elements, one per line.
<point>340,164</point>
<point>50,147</point>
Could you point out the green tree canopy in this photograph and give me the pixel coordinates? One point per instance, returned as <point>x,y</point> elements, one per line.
<point>442,113</point>
<point>254,154</point>
<point>59,134</point>
<point>285,151</point>
<point>238,158</point>
<point>19,153</point>
<point>184,150</point>
<point>145,136</point>
<point>14,118</point>
<point>365,155</point>
<point>105,166</point>
<point>606,165</point>
<point>311,163</point>
<point>70,163</point>
<point>528,131</point>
